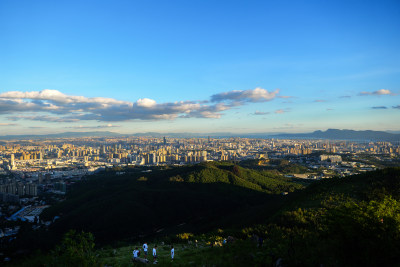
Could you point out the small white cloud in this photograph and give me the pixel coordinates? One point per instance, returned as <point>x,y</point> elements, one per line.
<point>383,92</point>
<point>256,95</point>
<point>44,94</point>
<point>280,111</point>
<point>378,92</point>
<point>146,103</point>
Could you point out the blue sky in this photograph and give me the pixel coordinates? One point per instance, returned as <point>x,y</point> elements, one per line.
<point>199,66</point>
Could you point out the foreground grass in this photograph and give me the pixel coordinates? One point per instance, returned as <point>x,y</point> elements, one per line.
<point>241,253</point>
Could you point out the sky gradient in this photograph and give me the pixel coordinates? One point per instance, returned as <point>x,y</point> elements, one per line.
<point>199,66</point>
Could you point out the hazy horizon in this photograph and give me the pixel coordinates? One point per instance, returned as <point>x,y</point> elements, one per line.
<point>199,67</point>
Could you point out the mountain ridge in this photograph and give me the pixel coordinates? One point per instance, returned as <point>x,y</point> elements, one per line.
<point>330,134</point>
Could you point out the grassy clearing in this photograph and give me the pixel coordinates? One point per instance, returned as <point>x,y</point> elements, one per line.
<point>190,255</point>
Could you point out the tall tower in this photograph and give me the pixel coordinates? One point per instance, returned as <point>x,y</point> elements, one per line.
<point>165,141</point>
<point>12,162</point>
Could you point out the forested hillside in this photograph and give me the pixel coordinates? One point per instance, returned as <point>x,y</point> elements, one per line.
<point>351,221</point>
<point>127,206</point>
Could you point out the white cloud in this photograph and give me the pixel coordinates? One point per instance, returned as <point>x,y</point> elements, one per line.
<point>378,92</point>
<point>57,96</point>
<point>280,111</point>
<point>255,95</point>
<point>145,102</point>
<point>55,106</point>
<point>383,92</point>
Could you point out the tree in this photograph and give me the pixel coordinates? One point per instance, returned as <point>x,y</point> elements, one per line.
<point>76,249</point>
<point>236,170</point>
<point>366,233</point>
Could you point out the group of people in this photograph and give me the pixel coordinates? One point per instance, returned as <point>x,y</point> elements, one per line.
<point>136,253</point>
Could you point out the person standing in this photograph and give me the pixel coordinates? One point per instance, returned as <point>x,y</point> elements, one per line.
<point>155,253</point>
<point>145,250</point>
<point>135,254</point>
<point>172,253</point>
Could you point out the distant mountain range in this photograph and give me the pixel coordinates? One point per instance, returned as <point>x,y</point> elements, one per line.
<point>332,134</point>
<point>336,134</point>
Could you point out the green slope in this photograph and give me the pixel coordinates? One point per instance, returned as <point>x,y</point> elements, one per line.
<point>149,204</point>
<point>353,221</point>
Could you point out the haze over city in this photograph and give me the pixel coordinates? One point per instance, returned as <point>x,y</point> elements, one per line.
<point>204,66</point>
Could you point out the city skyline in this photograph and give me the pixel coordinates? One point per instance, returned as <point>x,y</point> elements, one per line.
<point>199,67</point>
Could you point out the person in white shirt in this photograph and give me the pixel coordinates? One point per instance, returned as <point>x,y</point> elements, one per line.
<point>145,249</point>
<point>135,253</point>
<point>172,253</point>
<point>155,253</point>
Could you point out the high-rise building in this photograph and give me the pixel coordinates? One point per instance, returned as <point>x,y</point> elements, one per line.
<point>21,189</point>
<point>12,162</point>
<point>11,189</point>
<point>151,158</point>
<point>3,188</point>
<point>40,178</point>
<point>31,189</point>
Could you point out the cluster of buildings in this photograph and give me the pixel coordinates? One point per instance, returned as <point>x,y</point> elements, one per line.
<point>10,190</point>
<point>29,167</point>
<point>92,152</point>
